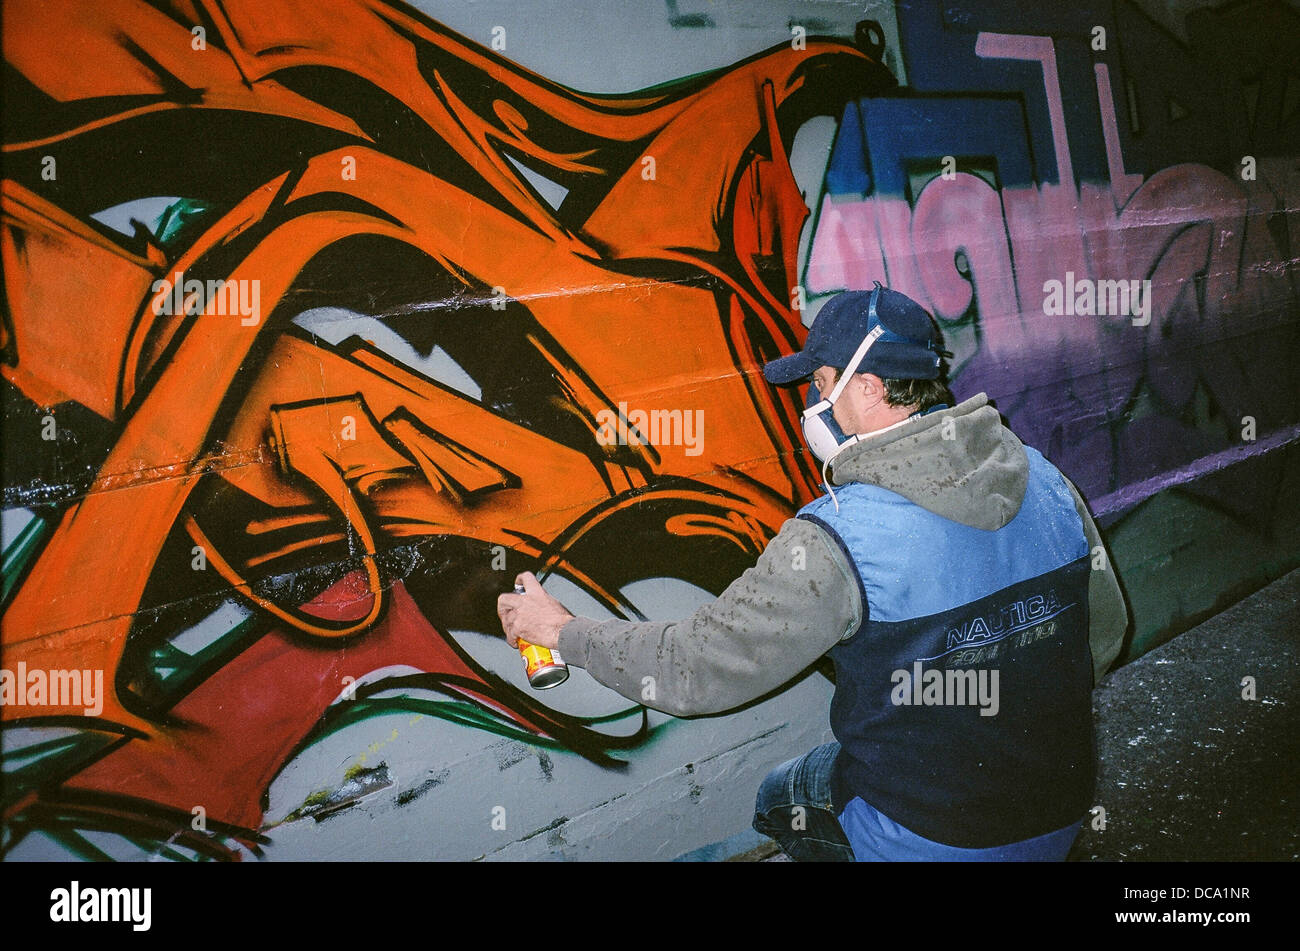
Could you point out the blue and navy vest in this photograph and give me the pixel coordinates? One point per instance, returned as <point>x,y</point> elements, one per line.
<point>944,605</point>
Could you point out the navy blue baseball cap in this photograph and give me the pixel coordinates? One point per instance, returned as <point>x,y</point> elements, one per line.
<point>907,350</point>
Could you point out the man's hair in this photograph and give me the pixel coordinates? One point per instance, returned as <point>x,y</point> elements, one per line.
<point>919,393</point>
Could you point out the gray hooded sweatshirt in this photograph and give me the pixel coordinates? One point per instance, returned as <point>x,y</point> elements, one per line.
<point>802,597</point>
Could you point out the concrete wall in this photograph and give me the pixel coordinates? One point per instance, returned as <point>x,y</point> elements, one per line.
<point>269,516</point>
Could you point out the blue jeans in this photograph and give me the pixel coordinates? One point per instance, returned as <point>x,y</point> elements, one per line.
<point>794,808</point>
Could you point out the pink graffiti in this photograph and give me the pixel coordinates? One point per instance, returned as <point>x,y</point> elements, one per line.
<point>1105,396</point>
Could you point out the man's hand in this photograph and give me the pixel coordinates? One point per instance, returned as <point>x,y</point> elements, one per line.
<point>534,615</point>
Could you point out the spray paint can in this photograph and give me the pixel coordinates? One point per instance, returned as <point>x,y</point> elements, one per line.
<point>544,667</point>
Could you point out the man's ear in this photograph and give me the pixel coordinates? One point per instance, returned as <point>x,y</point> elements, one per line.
<point>873,387</point>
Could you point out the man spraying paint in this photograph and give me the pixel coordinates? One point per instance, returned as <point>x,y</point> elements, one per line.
<point>957,582</point>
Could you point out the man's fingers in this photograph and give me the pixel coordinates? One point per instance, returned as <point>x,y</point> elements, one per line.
<point>507,617</point>
<point>506,612</point>
<point>508,603</point>
<point>529,581</point>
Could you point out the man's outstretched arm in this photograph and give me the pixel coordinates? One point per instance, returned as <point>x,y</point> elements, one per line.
<point>792,606</point>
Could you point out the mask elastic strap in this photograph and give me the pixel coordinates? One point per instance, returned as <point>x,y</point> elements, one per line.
<point>861,352</point>
<point>872,336</point>
<point>849,370</point>
<point>827,482</point>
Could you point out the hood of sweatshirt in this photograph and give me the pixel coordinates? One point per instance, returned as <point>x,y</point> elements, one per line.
<point>975,476</point>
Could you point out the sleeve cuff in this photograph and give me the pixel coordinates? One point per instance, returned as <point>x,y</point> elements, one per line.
<point>575,640</point>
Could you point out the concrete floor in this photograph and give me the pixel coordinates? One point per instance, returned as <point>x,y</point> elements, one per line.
<point>1190,770</point>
